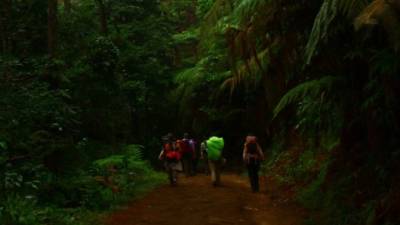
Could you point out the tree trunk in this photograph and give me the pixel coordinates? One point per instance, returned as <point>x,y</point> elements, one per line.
<point>67,6</point>
<point>102,16</point>
<point>5,10</point>
<point>52,28</point>
<point>3,34</point>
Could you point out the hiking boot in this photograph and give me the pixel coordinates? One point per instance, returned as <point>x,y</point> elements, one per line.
<point>216,184</point>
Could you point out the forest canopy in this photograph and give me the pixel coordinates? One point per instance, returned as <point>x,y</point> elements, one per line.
<point>89,87</point>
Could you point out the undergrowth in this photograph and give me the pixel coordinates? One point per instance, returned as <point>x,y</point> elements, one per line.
<point>79,199</point>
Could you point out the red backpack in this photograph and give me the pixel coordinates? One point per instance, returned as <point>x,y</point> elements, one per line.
<point>170,152</point>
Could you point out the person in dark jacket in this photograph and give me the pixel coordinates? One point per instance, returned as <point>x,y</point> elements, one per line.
<point>252,156</point>
<point>204,156</point>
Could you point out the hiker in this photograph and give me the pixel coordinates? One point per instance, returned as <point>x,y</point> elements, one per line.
<point>215,145</point>
<point>171,157</point>
<point>204,156</point>
<point>252,156</point>
<point>196,156</point>
<point>187,148</point>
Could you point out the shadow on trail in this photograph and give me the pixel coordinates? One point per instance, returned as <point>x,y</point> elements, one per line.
<point>195,202</point>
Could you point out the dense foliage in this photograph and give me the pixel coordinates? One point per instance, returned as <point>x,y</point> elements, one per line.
<point>79,83</point>
<point>87,87</point>
<point>318,82</point>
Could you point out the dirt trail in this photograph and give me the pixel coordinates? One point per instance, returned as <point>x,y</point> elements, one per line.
<point>195,202</point>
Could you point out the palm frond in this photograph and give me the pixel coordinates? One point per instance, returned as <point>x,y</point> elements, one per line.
<point>351,8</point>
<point>187,81</point>
<point>248,72</point>
<point>215,22</point>
<point>308,88</point>
<point>371,14</point>
<point>384,13</point>
<point>326,15</point>
<point>246,10</point>
<point>319,31</point>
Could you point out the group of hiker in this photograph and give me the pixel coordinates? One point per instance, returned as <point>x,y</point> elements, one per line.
<point>184,155</point>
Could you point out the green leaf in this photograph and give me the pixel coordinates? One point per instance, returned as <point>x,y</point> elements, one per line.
<point>3,145</point>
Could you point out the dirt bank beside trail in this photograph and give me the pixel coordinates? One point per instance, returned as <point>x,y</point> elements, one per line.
<point>195,202</point>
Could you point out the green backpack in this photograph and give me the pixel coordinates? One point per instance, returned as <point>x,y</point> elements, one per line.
<point>215,146</point>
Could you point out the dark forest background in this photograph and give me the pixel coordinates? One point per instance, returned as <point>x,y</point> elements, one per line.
<point>88,87</point>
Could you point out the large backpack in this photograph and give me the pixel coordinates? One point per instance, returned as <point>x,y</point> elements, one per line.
<point>252,148</point>
<point>215,145</point>
<point>251,144</point>
<point>170,153</point>
<point>192,144</point>
<point>186,148</point>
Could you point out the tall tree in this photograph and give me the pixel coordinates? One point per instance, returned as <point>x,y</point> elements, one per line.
<point>67,6</point>
<point>102,10</point>
<point>5,10</point>
<point>52,27</point>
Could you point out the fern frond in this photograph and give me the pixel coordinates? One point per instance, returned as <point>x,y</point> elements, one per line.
<point>319,31</point>
<point>385,62</point>
<point>309,88</point>
<point>327,13</point>
<point>246,10</point>
<point>351,8</point>
<point>134,152</point>
<point>187,80</point>
<point>190,74</point>
<point>114,160</point>
<point>187,36</point>
<point>219,9</point>
<point>215,22</point>
<point>248,72</point>
<point>131,153</point>
<point>371,14</point>
<point>384,13</point>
